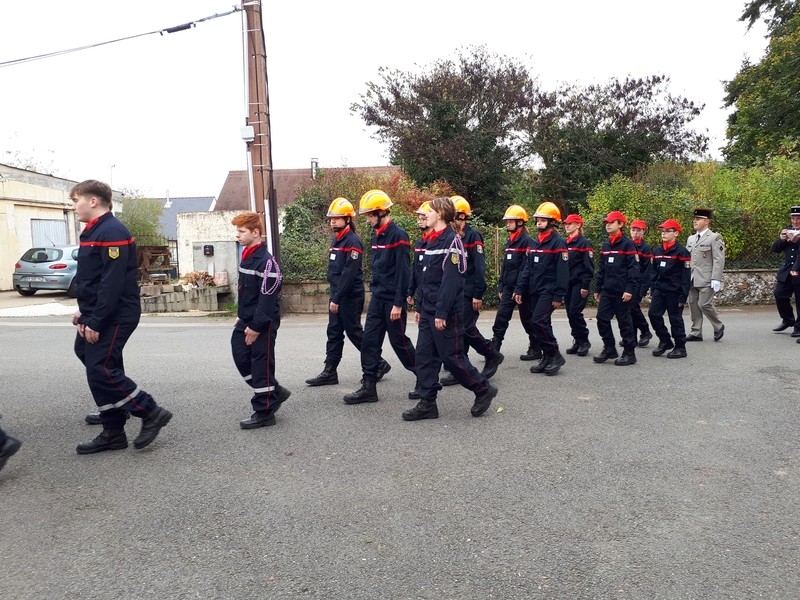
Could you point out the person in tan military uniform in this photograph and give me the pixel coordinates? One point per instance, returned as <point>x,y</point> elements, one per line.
<point>707,249</point>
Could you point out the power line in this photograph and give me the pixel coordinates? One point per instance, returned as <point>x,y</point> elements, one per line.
<point>167,30</point>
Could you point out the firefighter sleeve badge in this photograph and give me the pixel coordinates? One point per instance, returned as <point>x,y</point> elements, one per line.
<point>113,252</point>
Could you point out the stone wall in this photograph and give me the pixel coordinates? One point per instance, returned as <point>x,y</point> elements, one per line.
<point>304,297</point>
<point>173,298</point>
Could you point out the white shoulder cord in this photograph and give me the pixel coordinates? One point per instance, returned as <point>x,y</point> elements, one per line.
<point>268,268</point>
<point>459,251</point>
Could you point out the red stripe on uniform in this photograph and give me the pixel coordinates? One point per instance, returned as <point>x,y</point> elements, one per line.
<point>119,243</point>
<point>390,246</point>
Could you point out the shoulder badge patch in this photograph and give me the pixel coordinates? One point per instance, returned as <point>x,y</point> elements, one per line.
<point>113,252</point>
<point>565,256</point>
<point>354,255</point>
<point>636,256</point>
<point>480,249</point>
<point>591,254</point>
<point>454,258</point>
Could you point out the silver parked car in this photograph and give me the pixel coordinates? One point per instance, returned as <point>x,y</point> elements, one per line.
<point>46,268</point>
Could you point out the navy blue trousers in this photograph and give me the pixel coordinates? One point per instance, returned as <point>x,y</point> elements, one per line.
<point>114,392</point>
<point>503,317</point>
<point>666,302</point>
<point>347,320</point>
<point>637,316</point>
<point>435,348</point>
<point>377,325</point>
<point>612,306</point>
<point>542,322</point>
<point>574,303</point>
<point>472,335</point>
<point>256,363</point>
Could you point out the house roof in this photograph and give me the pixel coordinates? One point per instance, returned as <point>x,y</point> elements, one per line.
<point>235,193</point>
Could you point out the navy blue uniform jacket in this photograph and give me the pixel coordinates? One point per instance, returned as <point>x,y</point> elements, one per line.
<point>516,249</point>
<point>107,285</point>
<point>442,283</point>
<point>790,257</point>
<point>645,266</point>
<point>475,280</point>
<point>672,273</point>
<point>344,266</point>
<point>546,269</point>
<point>581,262</point>
<point>259,305</point>
<point>390,265</point>
<point>619,267</point>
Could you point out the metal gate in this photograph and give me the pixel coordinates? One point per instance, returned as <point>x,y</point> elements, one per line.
<point>49,232</point>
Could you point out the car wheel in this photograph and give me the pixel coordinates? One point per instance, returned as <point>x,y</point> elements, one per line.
<point>26,292</point>
<point>71,290</point>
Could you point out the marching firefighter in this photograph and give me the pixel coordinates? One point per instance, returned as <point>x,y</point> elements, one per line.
<point>441,326</point>
<point>545,277</point>
<point>581,273</point>
<point>474,288</point>
<point>346,303</point>
<point>671,281</point>
<point>386,313</point>
<point>517,246</point>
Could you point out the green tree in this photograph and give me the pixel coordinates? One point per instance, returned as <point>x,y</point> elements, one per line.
<point>453,122</point>
<point>766,100</point>
<point>141,216</point>
<point>775,13</point>
<point>585,135</point>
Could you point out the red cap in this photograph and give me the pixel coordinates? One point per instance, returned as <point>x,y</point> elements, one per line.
<point>671,224</point>
<point>639,223</point>
<point>574,219</point>
<point>615,215</point>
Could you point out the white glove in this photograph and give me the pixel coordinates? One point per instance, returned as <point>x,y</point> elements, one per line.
<point>715,285</point>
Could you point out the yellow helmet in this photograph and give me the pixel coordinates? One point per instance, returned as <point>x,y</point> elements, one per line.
<point>515,213</point>
<point>341,207</point>
<point>461,204</point>
<point>548,210</point>
<point>374,200</point>
<point>424,208</point>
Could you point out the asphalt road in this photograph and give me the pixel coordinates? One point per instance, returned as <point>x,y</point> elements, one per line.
<point>673,479</point>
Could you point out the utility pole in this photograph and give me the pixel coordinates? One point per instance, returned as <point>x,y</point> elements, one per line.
<point>259,145</point>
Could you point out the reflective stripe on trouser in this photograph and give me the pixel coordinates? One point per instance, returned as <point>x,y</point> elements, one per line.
<point>112,390</point>
<point>256,363</point>
<point>435,348</point>
<point>376,326</point>
<point>346,320</point>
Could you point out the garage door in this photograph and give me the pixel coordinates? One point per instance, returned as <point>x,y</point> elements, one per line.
<point>49,232</point>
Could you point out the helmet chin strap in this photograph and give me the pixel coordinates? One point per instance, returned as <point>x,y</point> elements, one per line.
<point>380,218</point>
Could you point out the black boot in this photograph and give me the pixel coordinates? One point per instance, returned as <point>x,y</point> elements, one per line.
<point>366,393</point>
<point>425,409</point>
<point>260,418</point>
<point>151,425</point>
<point>607,352</point>
<point>556,362</point>
<point>109,439</point>
<point>678,352</point>
<point>644,339</point>
<point>492,362</point>
<point>281,396</point>
<point>533,353</point>
<point>574,348</point>
<point>482,401</point>
<point>93,418</point>
<point>496,343</point>
<point>540,367</point>
<point>329,376</point>
<point>383,368</point>
<point>583,348</point>
<point>628,358</point>
<point>663,346</point>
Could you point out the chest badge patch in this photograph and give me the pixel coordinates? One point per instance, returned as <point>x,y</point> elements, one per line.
<point>113,252</point>
<point>479,249</point>
<point>454,258</point>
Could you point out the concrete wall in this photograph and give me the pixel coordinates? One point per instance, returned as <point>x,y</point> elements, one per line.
<point>198,229</point>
